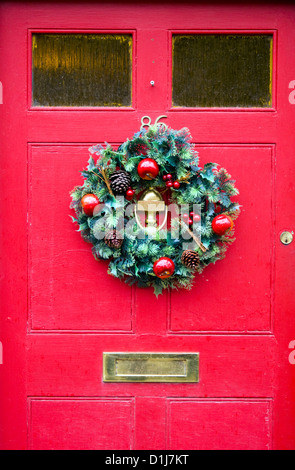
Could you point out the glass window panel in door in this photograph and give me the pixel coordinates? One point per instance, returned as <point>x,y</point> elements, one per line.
<point>81,69</point>
<point>222,70</point>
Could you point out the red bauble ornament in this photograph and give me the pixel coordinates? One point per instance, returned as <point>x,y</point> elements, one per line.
<point>148,169</point>
<point>221,224</point>
<point>89,202</point>
<point>163,267</point>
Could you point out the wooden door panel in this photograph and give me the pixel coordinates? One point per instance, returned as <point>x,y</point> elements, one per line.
<point>81,423</point>
<point>74,292</point>
<point>210,307</point>
<point>213,425</point>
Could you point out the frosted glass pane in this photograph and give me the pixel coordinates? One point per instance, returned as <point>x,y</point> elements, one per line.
<point>82,69</point>
<point>222,70</point>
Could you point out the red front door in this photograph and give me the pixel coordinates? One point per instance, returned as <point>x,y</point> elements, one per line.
<point>60,310</point>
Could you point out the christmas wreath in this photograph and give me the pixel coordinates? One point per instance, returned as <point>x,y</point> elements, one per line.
<point>152,211</point>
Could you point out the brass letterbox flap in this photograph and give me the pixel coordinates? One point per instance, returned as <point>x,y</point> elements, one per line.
<point>150,367</point>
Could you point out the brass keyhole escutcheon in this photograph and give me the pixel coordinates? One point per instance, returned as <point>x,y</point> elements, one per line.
<point>286,237</point>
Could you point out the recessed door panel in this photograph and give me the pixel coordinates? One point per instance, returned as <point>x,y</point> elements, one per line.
<point>213,425</point>
<point>80,424</point>
<point>213,309</point>
<point>68,289</point>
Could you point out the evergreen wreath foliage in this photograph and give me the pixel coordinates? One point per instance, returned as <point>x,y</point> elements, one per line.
<point>132,260</point>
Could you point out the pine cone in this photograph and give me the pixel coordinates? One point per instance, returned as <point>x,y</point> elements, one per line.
<point>111,239</point>
<point>120,181</point>
<point>190,259</point>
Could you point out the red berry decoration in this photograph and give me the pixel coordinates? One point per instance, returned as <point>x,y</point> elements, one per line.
<point>176,185</point>
<point>196,218</point>
<point>129,194</point>
<point>217,208</point>
<point>164,267</point>
<point>221,224</point>
<point>169,184</point>
<point>148,169</point>
<point>89,202</point>
<point>169,177</point>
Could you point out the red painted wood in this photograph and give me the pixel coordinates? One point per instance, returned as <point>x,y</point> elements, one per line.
<point>253,307</point>
<point>239,315</point>
<point>219,424</point>
<point>58,424</point>
<point>62,306</point>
